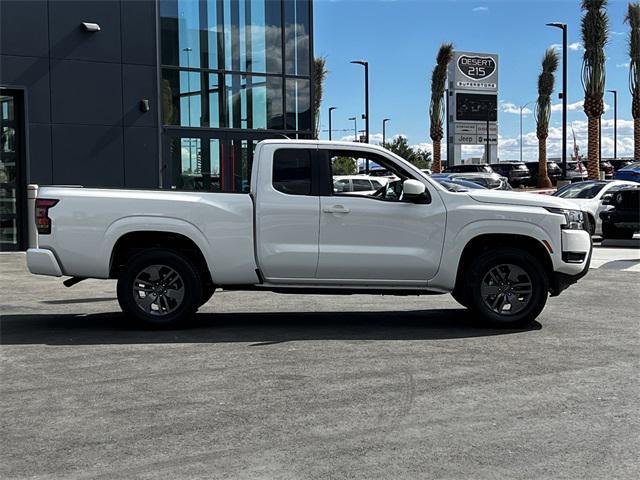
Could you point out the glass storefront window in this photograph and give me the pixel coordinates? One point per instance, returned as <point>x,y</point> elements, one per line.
<point>298,104</point>
<point>296,39</point>
<point>254,102</point>
<point>239,35</point>
<point>185,104</point>
<point>197,163</point>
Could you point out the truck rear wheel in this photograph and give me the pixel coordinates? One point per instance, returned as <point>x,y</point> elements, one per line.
<point>159,288</point>
<point>508,287</point>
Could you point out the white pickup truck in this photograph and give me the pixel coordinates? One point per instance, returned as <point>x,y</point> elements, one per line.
<point>498,253</point>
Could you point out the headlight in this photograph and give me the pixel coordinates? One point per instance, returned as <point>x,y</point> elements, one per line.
<point>574,218</point>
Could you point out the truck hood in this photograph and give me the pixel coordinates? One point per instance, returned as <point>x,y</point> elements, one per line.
<point>519,198</point>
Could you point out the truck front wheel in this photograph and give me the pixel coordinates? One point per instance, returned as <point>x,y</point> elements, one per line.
<point>507,287</point>
<point>159,288</point>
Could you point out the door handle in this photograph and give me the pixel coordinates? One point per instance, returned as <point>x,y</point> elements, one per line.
<point>336,209</point>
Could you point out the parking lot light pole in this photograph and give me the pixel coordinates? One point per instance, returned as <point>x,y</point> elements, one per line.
<point>384,130</point>
<point>615,123</point>
<point>563,27</point>
<point>522,107</point>
<point>355,128</point>
<point>366,97</point>
<point>331,109</point>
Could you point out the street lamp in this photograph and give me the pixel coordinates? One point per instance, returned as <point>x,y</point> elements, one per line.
<point>563,27</point>
<point>384,130</point>
<point>366,97</point>
<point>522,107</point>
<point>331,109</point>
<point>355,128</point>
<point>615,123</point>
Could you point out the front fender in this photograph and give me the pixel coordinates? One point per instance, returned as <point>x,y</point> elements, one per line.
<point>455,243</point>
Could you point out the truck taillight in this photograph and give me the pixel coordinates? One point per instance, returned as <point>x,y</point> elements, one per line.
<point>43,222</point>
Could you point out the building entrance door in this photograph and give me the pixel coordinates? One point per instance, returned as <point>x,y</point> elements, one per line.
<point>12,172</point>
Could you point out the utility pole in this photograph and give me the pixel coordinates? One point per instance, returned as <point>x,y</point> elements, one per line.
<point>355,128</point>
<point>615,123</point>
<point>522,107</point>
<point>384,131</point>
<point>563,27</point>
<point>366,97</point>
<point>331,109</point>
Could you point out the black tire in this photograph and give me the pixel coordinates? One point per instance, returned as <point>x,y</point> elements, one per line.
<point>459,296</point>
<point>518,267</point>
<point>207,293</point>
<point>181,279</point>
<point>610,231</point>
<point>592,226</point>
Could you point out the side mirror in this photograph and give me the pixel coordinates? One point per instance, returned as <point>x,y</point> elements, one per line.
<point>414,191</point>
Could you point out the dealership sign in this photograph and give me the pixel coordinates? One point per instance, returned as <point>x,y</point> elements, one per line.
<point>474,71</point>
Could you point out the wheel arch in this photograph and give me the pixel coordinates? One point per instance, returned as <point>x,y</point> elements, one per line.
<point>132,242</point>
<point>484,242</point>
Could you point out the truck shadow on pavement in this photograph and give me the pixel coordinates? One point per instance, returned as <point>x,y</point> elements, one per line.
<point>258,329</point>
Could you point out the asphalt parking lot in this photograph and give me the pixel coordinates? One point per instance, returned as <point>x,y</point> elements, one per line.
<point>273,386</point>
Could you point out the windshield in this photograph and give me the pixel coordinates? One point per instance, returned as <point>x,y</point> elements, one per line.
<point>633,165</point>
<point>581,190</point>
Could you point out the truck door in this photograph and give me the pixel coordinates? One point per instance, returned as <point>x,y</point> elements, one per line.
<point>378,238</point>
<point>287,212</point>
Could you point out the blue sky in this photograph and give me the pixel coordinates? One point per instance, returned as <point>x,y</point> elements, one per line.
<point>400,39</point>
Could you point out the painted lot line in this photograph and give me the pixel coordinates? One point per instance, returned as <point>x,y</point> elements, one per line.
<point>623,259</point>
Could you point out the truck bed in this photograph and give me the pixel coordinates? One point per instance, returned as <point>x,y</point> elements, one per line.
<point>87,223</point>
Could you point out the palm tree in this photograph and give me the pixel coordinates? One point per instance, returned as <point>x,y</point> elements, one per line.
<point>595,32</point>
<point>633,19</point>
<point>546,80</point>
<point>436,108</point>
<point>319,74</point>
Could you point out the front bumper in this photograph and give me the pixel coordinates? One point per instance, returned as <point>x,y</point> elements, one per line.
<point>575,244</point>
<point>43,262</point>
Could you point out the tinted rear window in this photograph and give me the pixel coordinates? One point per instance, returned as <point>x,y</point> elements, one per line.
<point>292,171</point>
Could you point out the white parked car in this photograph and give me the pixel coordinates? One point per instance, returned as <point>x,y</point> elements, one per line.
<point>357,184</point>
<point>588,195</point>
<point>498,253</point>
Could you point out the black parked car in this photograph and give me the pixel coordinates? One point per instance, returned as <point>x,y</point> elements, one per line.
<point>617,163</point>
<point>553,170</point>
<point>605,166</point>
<point>517,172</point>
<point>623,220</point>
<point>469,168</point>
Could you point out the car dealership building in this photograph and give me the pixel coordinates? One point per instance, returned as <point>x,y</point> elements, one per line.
<point>146,94</point>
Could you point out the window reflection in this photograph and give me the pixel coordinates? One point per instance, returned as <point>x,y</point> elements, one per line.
<point>254,102</point>
<point>298,104</point>
<point>297,37</point>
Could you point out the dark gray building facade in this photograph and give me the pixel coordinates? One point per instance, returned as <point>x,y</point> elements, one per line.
<point>146,93</point>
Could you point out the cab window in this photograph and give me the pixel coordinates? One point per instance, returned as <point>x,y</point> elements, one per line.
<point>372,176</point>
<point>292,171</point>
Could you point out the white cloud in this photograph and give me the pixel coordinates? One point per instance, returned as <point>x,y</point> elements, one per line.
<point>575,46</point>
<point>480,9</point>
<point>622,65</point>
<point>509,147</point>
<point>508,107</point>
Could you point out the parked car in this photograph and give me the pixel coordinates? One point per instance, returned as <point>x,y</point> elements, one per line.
<point>605,167</point>
<point>576,172</point>
<point>623,220</point>
<point>355,184</point>
<point>517,173</point>
<point>498,253</point>
<point>588,196</point>
<point>553,171</point>
<point>456,184</point>
<point>492,181</point>
<point>618,163</point>
<point>469,168</point>
<point>631,172</point>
